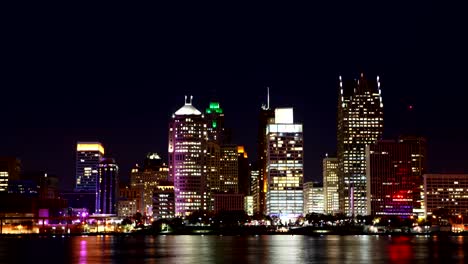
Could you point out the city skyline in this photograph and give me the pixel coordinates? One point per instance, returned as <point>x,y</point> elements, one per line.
<point>70,79</point>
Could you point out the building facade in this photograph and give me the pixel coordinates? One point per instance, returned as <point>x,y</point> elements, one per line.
<point>360,123</point>
<point>187,140</point>
<point>394,177</point>
<point>314,198</point>
<point>285,169</point>
<point>148,176</point>
<point>330,185</point>
<point>88,156</point>
<point>10,169</point>
<point>266,117</point>
<point>108,187</point>
<point>446,191</point>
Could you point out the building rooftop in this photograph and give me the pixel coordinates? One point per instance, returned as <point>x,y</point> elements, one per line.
<point>188,109</point>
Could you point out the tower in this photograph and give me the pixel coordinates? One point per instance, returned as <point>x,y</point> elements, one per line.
<point>360,123</point>
<point>88,156</point>
<point>187,140</point>
<point>108,187</point>
<point>266,116</point>
<point>285,159</point>
<point>330,185</point>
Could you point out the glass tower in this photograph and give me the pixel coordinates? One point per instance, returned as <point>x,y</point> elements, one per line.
<point>88,156</point>
<point>284,197</point>
<point>360,123</point>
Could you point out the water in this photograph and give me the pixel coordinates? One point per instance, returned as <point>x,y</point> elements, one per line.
<point>234,249</point>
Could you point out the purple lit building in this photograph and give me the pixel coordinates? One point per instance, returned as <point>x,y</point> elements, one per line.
<point>187,139</point>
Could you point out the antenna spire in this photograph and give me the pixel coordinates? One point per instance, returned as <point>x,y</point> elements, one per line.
<point>268,97</point>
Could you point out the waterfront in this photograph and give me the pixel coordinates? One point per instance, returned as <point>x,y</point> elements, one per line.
<point>234,249</point>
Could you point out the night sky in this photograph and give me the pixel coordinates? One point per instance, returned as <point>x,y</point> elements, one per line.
<point>116,74</point>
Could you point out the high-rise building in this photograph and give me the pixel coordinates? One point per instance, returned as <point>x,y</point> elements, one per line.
<point>314,198</point>
<point>418,168</point>
<point>148,176</point>
<point>360,123</point>
<point>393,177</point>
<point>163,200</point>
<point>187,140</point>
<point>88,156</point>
<point>330,185</point>
<point>243,171</point>
<point>214,116</point>
<point>266,117</point>
<point>10,169</point>
<point>255,187</point>
<point>285,165</point>
<point>108,187</point>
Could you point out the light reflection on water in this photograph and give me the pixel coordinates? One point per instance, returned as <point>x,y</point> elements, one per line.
<point>234,249</point>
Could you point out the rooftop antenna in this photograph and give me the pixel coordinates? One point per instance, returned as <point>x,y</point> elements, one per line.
<point>185,100</point>
<point>268,97</point>
<point>191,98</point>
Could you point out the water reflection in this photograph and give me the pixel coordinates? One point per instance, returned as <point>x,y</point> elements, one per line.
<point>235,249</point>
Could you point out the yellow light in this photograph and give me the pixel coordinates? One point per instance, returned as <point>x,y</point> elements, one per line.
<point>240,149</point>
<point>90,147</point>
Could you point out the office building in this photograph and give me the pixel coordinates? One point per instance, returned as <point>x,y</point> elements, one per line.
<point>88,156</point>
<point>148,176</point>
<point>187,140</point>
<point>266,117</point>
<point>108,187</point>
<point>164,200</point>
<point>392,179</point>
<point>10,169</point>
<point>446,191</point>
<point>330,185</point>
<point>284,197</point>
<point>360,123</point>
<point>314,198</point>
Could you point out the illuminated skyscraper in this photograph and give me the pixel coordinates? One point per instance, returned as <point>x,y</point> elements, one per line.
<point>285,169</point>
<point>330,185</point>
<point>267,116</point>
<point>88,156</point>
<point>214,116</point>
<point>360,123</point>
<point>187,140</point>
<point>108,187</point>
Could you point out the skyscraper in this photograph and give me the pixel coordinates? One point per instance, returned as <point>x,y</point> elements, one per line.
<point>267,116</point>
<point>214,116</point>
<point>148,176</point>
<point>88,156</point>
<point>187,140</point>
<point>394,177</point>
<point>330,185</point>
<point>360,123</point>
<point>284,197</point>
<point>108,187</point>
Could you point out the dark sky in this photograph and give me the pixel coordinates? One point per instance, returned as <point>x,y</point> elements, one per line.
<point>116,73</point>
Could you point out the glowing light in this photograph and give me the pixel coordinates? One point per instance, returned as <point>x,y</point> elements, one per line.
<point>90,147</point>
